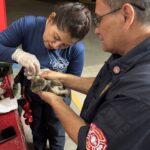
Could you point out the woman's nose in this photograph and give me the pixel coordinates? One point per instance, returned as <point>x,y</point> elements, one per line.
<point>56,44</point>
<point>96,30</point>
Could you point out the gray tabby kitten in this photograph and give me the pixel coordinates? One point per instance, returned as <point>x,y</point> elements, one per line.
<point>54,86</point>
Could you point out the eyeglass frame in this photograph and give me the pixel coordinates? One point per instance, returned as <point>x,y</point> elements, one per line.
<point>97,20</point>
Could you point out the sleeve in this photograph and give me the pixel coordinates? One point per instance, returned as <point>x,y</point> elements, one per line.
<point>82,137</point>
<point>91,137</point>
<point>76,59</point>
<point>11,38</point>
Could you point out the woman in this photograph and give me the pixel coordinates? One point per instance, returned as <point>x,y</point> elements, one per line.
<point>53,43</point>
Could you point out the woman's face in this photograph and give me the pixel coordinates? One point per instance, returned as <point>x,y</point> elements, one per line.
<point>56,39</point>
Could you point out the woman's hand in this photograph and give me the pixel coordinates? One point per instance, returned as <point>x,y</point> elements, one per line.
<point>27,60</point>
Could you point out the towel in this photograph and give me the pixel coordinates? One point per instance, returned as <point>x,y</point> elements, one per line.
<point>8,104</point>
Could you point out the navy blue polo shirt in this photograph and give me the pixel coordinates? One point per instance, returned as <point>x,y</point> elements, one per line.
<point>117,107</point>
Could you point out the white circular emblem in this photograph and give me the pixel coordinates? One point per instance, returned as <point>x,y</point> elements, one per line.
<point>116,70</point>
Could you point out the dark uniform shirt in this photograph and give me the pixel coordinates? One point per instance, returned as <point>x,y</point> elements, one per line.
<point>117,107</point>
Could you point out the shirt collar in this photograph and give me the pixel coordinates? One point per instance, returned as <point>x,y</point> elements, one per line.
<point>127,61</point>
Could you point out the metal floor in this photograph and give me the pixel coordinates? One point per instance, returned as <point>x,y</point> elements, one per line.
<point>94,56</point>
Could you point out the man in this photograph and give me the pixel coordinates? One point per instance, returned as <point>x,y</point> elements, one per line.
<point>116,111</point>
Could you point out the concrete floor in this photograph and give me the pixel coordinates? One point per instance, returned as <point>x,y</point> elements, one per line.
<point>94,56</point>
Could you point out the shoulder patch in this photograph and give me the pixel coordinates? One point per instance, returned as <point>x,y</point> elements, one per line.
<point>95,139</point>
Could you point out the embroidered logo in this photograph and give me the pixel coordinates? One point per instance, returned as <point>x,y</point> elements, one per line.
<point>95,139</point>
<point>59,64</point>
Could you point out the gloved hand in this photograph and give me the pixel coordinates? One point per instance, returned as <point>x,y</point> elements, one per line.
<point>30,76</point>
<point>27,60</point>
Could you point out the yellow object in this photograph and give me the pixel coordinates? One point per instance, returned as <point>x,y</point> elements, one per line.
<point>76,101</point>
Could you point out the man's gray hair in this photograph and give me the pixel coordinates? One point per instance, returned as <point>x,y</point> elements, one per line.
<point>141,7</point>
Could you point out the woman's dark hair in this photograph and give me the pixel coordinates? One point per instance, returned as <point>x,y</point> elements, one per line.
<point>74,18</point>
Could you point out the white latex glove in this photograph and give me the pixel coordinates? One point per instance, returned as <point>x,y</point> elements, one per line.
<point>27,60</point>
<point>30,76</point>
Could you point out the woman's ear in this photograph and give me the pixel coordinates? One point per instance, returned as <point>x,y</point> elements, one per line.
<point>51,17</point>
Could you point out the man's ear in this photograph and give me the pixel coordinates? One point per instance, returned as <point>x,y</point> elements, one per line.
<point>128,14</point>
<point>51,17</point>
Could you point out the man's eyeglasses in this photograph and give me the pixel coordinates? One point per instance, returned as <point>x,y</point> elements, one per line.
<point>137,6</point>
<point>97,20</point>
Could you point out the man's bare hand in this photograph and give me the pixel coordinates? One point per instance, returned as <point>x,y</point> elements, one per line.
<point>52,75</point>
<point>48,97</point>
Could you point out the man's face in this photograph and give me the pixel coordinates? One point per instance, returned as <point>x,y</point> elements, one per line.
<point>56,39</point>
<point>109,29</point>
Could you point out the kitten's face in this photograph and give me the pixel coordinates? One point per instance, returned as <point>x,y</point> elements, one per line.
<point>38,84</point>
